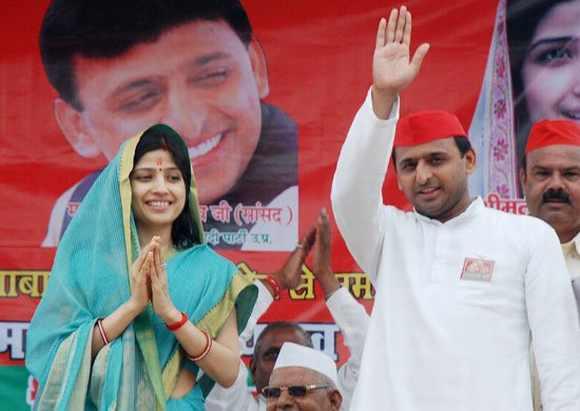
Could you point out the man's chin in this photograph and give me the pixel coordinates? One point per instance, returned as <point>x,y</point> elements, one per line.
<point>431,210</point>
<point>556,216</point>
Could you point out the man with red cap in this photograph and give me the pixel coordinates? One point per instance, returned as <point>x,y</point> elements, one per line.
<point>550,175</point>
<point>460,287</point>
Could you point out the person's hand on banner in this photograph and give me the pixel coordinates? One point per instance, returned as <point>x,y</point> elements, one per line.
<point>393,69</point>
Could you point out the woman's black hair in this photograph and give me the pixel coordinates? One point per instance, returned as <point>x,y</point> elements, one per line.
<point>160,136</point>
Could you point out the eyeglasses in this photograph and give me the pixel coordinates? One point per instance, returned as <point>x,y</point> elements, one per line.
<point>293,390</point>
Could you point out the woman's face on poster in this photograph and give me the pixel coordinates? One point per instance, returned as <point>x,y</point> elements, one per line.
<point>551,69</point>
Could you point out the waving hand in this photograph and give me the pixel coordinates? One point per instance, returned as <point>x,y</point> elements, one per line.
<point>393,67</point>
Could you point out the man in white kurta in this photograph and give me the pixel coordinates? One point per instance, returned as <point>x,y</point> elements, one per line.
<point>550,176</point>
<point>457,297</point>
<point>350,317</point>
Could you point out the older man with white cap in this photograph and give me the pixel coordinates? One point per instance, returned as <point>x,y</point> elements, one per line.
<point>303,379</point>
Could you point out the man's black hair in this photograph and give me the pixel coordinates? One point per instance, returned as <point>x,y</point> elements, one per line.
<point>463,145</point>
<point>109,28</point>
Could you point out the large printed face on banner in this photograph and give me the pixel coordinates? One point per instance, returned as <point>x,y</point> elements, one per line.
<point>532,74</point>
<point>202,80</point>
<point>198,78</point>
<point>551,69</point>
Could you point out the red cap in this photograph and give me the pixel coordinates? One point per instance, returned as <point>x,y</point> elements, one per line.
<point>553,132</point>
<point>425,126</point>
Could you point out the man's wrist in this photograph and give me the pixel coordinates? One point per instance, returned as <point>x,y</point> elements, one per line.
<point>328,283</point>
<point>382,101</point>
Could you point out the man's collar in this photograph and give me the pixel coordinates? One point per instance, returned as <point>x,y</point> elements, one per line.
<point>572,246</point>
<point>472,209</point>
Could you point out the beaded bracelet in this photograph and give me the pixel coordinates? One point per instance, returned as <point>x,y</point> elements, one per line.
<point>102,331</point>
<point>177,325</point>
<point>206,350</point>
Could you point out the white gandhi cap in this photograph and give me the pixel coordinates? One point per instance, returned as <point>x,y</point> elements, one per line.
<point>295,355</point>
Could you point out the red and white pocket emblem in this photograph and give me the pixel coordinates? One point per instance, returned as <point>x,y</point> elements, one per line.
<point>477,269</point>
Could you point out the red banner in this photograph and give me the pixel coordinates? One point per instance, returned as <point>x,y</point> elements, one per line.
<point>310,69</point>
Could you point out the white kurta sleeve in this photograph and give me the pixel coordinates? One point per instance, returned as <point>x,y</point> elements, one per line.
<point>356,194</point>
<point>352,319</point>
<point>554,324</point>
<point>238,396</point>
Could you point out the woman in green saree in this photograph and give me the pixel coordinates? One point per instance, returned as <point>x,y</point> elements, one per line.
<point>139,313</point>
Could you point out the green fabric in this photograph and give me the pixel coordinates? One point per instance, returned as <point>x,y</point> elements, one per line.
<point>90,279</point>
<point>14,388</point>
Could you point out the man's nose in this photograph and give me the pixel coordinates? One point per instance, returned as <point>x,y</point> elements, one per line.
<point>186,114</point>
<point>423,172</point>
<point>555,182</point>
<point>285,400</point>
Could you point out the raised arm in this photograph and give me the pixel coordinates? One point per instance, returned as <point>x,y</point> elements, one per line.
<point>356,190</point>
<point>349,315</point>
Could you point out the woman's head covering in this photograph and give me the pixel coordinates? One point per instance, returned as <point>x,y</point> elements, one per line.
<point>90,278</point>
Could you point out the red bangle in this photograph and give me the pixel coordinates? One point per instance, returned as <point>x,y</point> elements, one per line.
<point>206,350</point>
<point>275,286</point>
<point>177,325</point>
<point>102,331</point>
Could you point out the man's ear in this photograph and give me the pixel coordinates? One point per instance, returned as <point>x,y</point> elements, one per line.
<point>335,399</point>
<point>71,124</point>
<point>259,67</point>
<point>470,161</point>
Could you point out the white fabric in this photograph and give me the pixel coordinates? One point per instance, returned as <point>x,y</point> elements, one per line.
<point>436,342</point>
<point>283,236</point>
<point>350,317</point>
<point>353,321</point>
<point>296,355</point>
<point>571,253</point>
